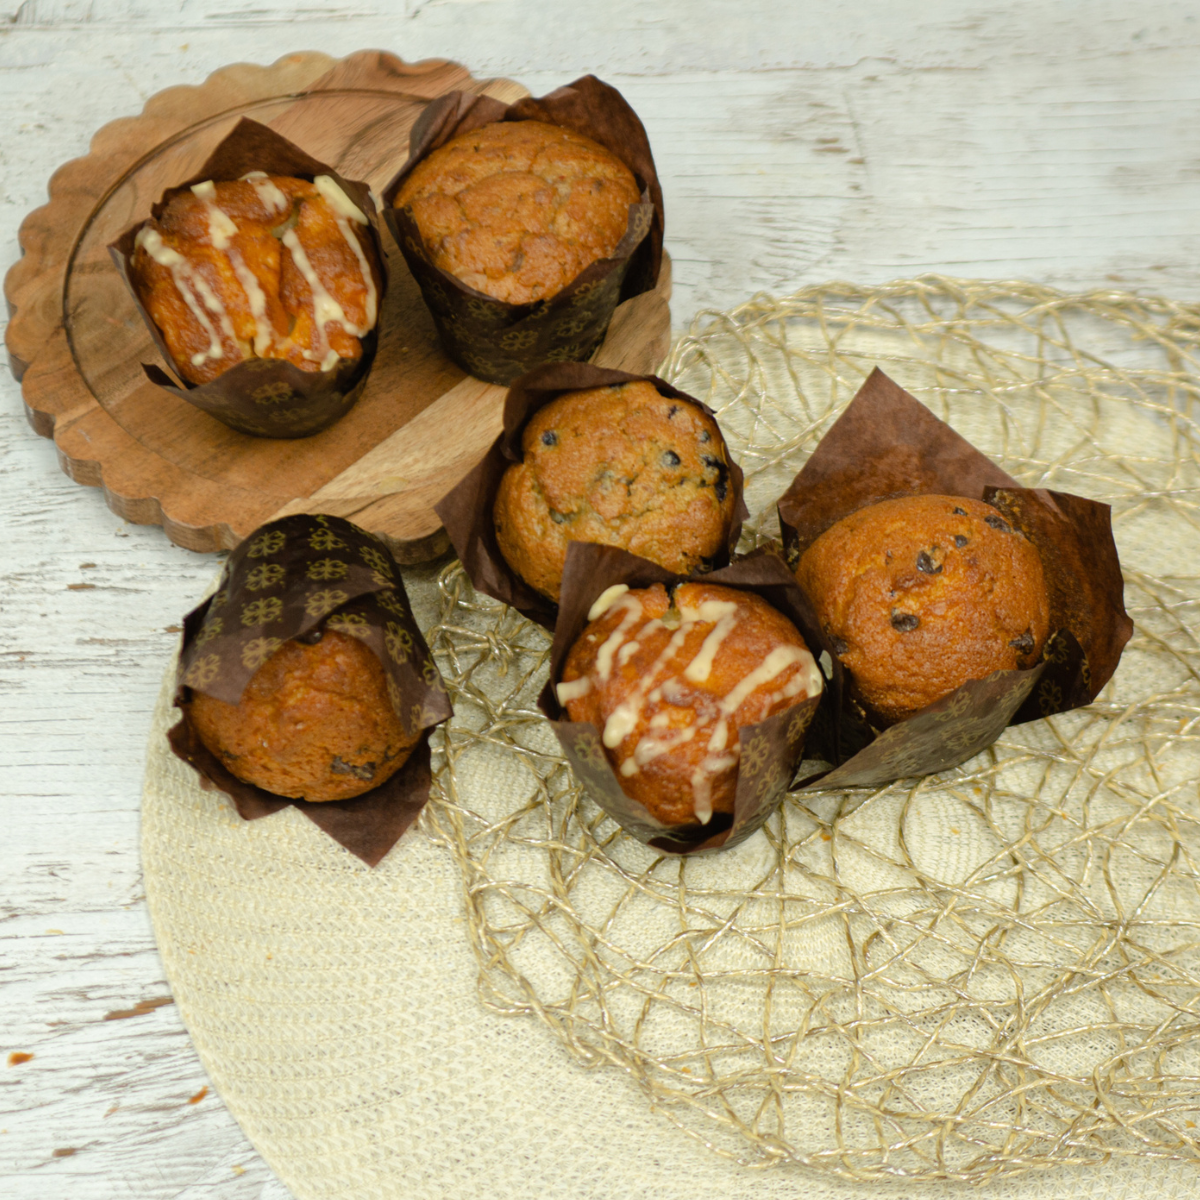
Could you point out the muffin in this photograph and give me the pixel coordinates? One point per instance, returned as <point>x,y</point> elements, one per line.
<point>920,594</point>
<point>670,679</point>
<point>621,466</point>
<point>258,267</point>
<point>517,209</point>
<point>314,723</point>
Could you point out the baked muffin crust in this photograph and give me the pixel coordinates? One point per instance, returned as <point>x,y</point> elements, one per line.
<point>621,466</point>
<point>314,723</point>
<point>263,267</point>
<point>922,593</point>
<point>670,680</point>
<point>517,209</point>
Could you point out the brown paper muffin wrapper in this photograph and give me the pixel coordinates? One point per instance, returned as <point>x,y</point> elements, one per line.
<point>293,578</point>
<point>489,338</point>
<point>466,512</point>
<point>770,750</point>
<point>887,444</point>
<point>265,397</point>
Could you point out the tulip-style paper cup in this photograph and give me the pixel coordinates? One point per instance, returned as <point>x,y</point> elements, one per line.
<point>294,578</point>
<point>885,445</point>
<point>771,750</point>
<point>466,511</point>
<point>497,341</point>
<point>266,397</point>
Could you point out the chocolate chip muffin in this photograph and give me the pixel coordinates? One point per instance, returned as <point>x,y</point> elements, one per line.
<point>670,679</point>
<point>517,209</point>
<point>314,723</point>
<point>621,466</point>
<point>921,594</point>
<point>259,267</point>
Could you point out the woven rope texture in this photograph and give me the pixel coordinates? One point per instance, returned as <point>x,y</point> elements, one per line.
<point>964,977</point>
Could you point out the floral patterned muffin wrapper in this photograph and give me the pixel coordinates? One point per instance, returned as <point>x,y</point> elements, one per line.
<point>265,397</point>
<point>291,579</point>
<point>771,750</point>
<point>497,341</point>
<point>466,511</point>
<point>887,444</point>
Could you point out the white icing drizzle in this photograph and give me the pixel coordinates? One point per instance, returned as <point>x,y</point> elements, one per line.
<point>221,231</point>
<point>345,211</point>
<point>341,204</point>
<point>192,288</point>
<point>325,307</point>
<point>606,600</point>
<point>604,657</point>
<point>268,193</point>
<point>776,662</point>
<point>722,615</point>
<point>573,690</point>
<point>221,228</point>
<point>256,298</point>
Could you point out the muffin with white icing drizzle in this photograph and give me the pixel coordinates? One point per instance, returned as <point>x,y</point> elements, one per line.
<point>670,679</point>
<point>258,267</point>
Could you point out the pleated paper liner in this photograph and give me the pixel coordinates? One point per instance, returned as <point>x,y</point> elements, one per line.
<point>466,511</point>
<point>266,397</point>
<point>292,579</point>
<point>887,444</point>
<point>497,341</point>
<point>770,750</point>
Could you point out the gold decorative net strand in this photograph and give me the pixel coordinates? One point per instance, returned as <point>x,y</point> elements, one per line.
<point>962,977</point>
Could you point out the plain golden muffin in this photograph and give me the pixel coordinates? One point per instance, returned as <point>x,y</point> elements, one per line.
<point>622,466</point>
<point>314,723</point>
<point>921,594</point>
<point>517,209</point>
<point>260,267</point>
<point>669,681</point>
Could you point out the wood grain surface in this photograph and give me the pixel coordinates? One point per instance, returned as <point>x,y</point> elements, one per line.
<point>797,143</point>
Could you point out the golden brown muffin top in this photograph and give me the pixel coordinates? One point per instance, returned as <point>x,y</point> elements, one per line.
<point>263,267</point>
<point>621,466</point>
<point>517,209</point>
<point>314,722</point>
<point>669,681</point>
<point>922,593</point>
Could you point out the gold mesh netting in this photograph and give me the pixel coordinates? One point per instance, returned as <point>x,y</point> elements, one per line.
<point>961,977</point>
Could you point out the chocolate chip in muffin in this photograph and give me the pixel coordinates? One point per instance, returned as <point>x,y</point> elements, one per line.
<point>670,458</point>
<point>998,523</point>
<point>705,436</point>
<point>927,564</point>
<point>959,512</point>
<point>1023,644</point>
<point>960,540</point>
<point>364,771</point>
<point>549,438</point>
<point>672,411</point>
<point>905,622</point>
<point>557,517</point>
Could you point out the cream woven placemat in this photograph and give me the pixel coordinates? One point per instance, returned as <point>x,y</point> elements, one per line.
<point>987,973</point>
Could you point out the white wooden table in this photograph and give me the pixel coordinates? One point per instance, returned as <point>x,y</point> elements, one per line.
<point>797,141</point>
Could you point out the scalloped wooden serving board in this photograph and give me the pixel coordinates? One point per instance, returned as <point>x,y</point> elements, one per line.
<point>76,341</point>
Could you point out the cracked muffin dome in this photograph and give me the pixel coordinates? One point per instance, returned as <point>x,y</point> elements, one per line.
<point>669,680</point>
<point>314,723</point>
<point>922,593</point>
<point>517,209</point>
<point>258,267</point>
<point>621,466</point>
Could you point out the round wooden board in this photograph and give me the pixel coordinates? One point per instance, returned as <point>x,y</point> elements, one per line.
<point>76,341</point>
